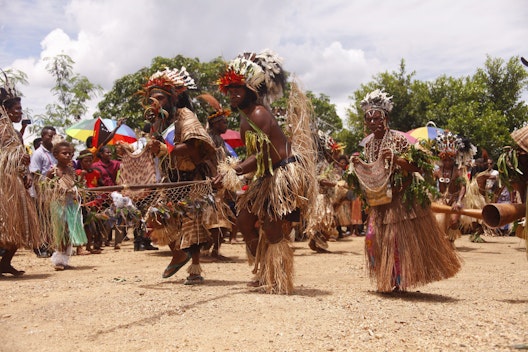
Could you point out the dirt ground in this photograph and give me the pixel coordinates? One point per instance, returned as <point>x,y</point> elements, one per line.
<point>117,301</point>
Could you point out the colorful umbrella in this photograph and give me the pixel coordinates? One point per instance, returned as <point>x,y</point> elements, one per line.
<point>81,130</point>
<point>87,128</point>
<point>410,138</point>
<point>231,150</point>
<point>429,131</point>
<point>233,138</point>
<point>168,136</point>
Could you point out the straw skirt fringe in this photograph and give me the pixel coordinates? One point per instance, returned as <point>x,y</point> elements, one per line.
<point>410,243</point>
<point>277,195</point>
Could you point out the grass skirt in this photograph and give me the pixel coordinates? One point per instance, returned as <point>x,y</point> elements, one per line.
<point>277,195</point>
<point>19,226</point>
<point>324,226</point>
<point>219,216</point>
<point>184,231</point>
<point>406,247</point>
<point>274,266</point>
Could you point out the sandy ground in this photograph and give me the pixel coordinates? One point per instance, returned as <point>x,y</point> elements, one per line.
<point>117,301</point>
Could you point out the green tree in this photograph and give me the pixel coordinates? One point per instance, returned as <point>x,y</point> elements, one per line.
<point>399,85</point>
<point>18,78</point>
<point>124,99</point>
<point>325,113</point>
<point>72,92</point>
<point>15,77</point>
<point>504,83</point>
<point>485,107</point>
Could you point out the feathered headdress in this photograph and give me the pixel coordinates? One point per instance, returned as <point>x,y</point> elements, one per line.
<point>172,82</point>
<point>8,92</point>
<point>377,100</point>
<point>454,146</point>
<point>262,73</point>
<point>217,112</point>
<point>328,144</point>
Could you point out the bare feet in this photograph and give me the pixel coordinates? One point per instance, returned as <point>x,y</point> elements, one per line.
<point>179,259</point>
<point>218,257</point>
<point>62,267</point>
<point>314,247</point>
<point>207,259</point>
<point>12,271</point>
<point>254,283</point>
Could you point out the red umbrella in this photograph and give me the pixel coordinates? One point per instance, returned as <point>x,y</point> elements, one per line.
<point>232,138</point>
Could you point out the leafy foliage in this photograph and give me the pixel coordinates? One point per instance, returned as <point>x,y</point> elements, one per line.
<point>423,187</point>
<point>485,107</point>
<point>72,92</point>
<point>123,99</point>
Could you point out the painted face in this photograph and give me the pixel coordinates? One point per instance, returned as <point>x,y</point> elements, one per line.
<point>159,99</point>
<point>64,155</point>
<point>15,112</point>
<point>447,161</point>
<point>236,95</point>
<point>158,112</point>
<point>375,121</point>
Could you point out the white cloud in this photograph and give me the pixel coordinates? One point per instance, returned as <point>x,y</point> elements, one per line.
<point>332,46</point>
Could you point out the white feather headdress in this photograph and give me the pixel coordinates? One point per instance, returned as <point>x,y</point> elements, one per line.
<point>377,99</point>
<point>262,73</point>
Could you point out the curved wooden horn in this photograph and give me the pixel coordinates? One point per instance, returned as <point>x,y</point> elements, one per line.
<point>500,214</point>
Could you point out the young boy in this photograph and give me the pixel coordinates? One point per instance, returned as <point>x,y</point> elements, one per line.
<point>89,177</point>
<point>65,211</point>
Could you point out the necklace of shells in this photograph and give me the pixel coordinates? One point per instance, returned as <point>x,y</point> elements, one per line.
<point>377,145</point>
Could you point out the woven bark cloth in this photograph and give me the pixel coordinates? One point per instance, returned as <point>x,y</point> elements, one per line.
<point>137,169</point>
<point>18,216</point>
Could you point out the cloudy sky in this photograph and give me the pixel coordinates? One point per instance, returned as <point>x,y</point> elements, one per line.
<point>332,46</point>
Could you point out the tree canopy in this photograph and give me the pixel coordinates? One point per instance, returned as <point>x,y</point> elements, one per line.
<point>123,99</point>
<point>485,107</point>
<point>72,91</point>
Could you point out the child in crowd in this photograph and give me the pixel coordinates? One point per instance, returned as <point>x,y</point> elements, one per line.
<point>65,211</point>
<point>89,178</point>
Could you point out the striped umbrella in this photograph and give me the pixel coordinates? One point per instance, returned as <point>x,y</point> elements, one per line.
<point>90,127</point>
<point>428,132</point>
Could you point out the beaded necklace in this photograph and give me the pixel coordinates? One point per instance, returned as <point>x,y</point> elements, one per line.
<point>377,145</point>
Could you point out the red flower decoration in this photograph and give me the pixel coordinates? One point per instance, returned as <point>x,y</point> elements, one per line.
<point>230,78</point>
